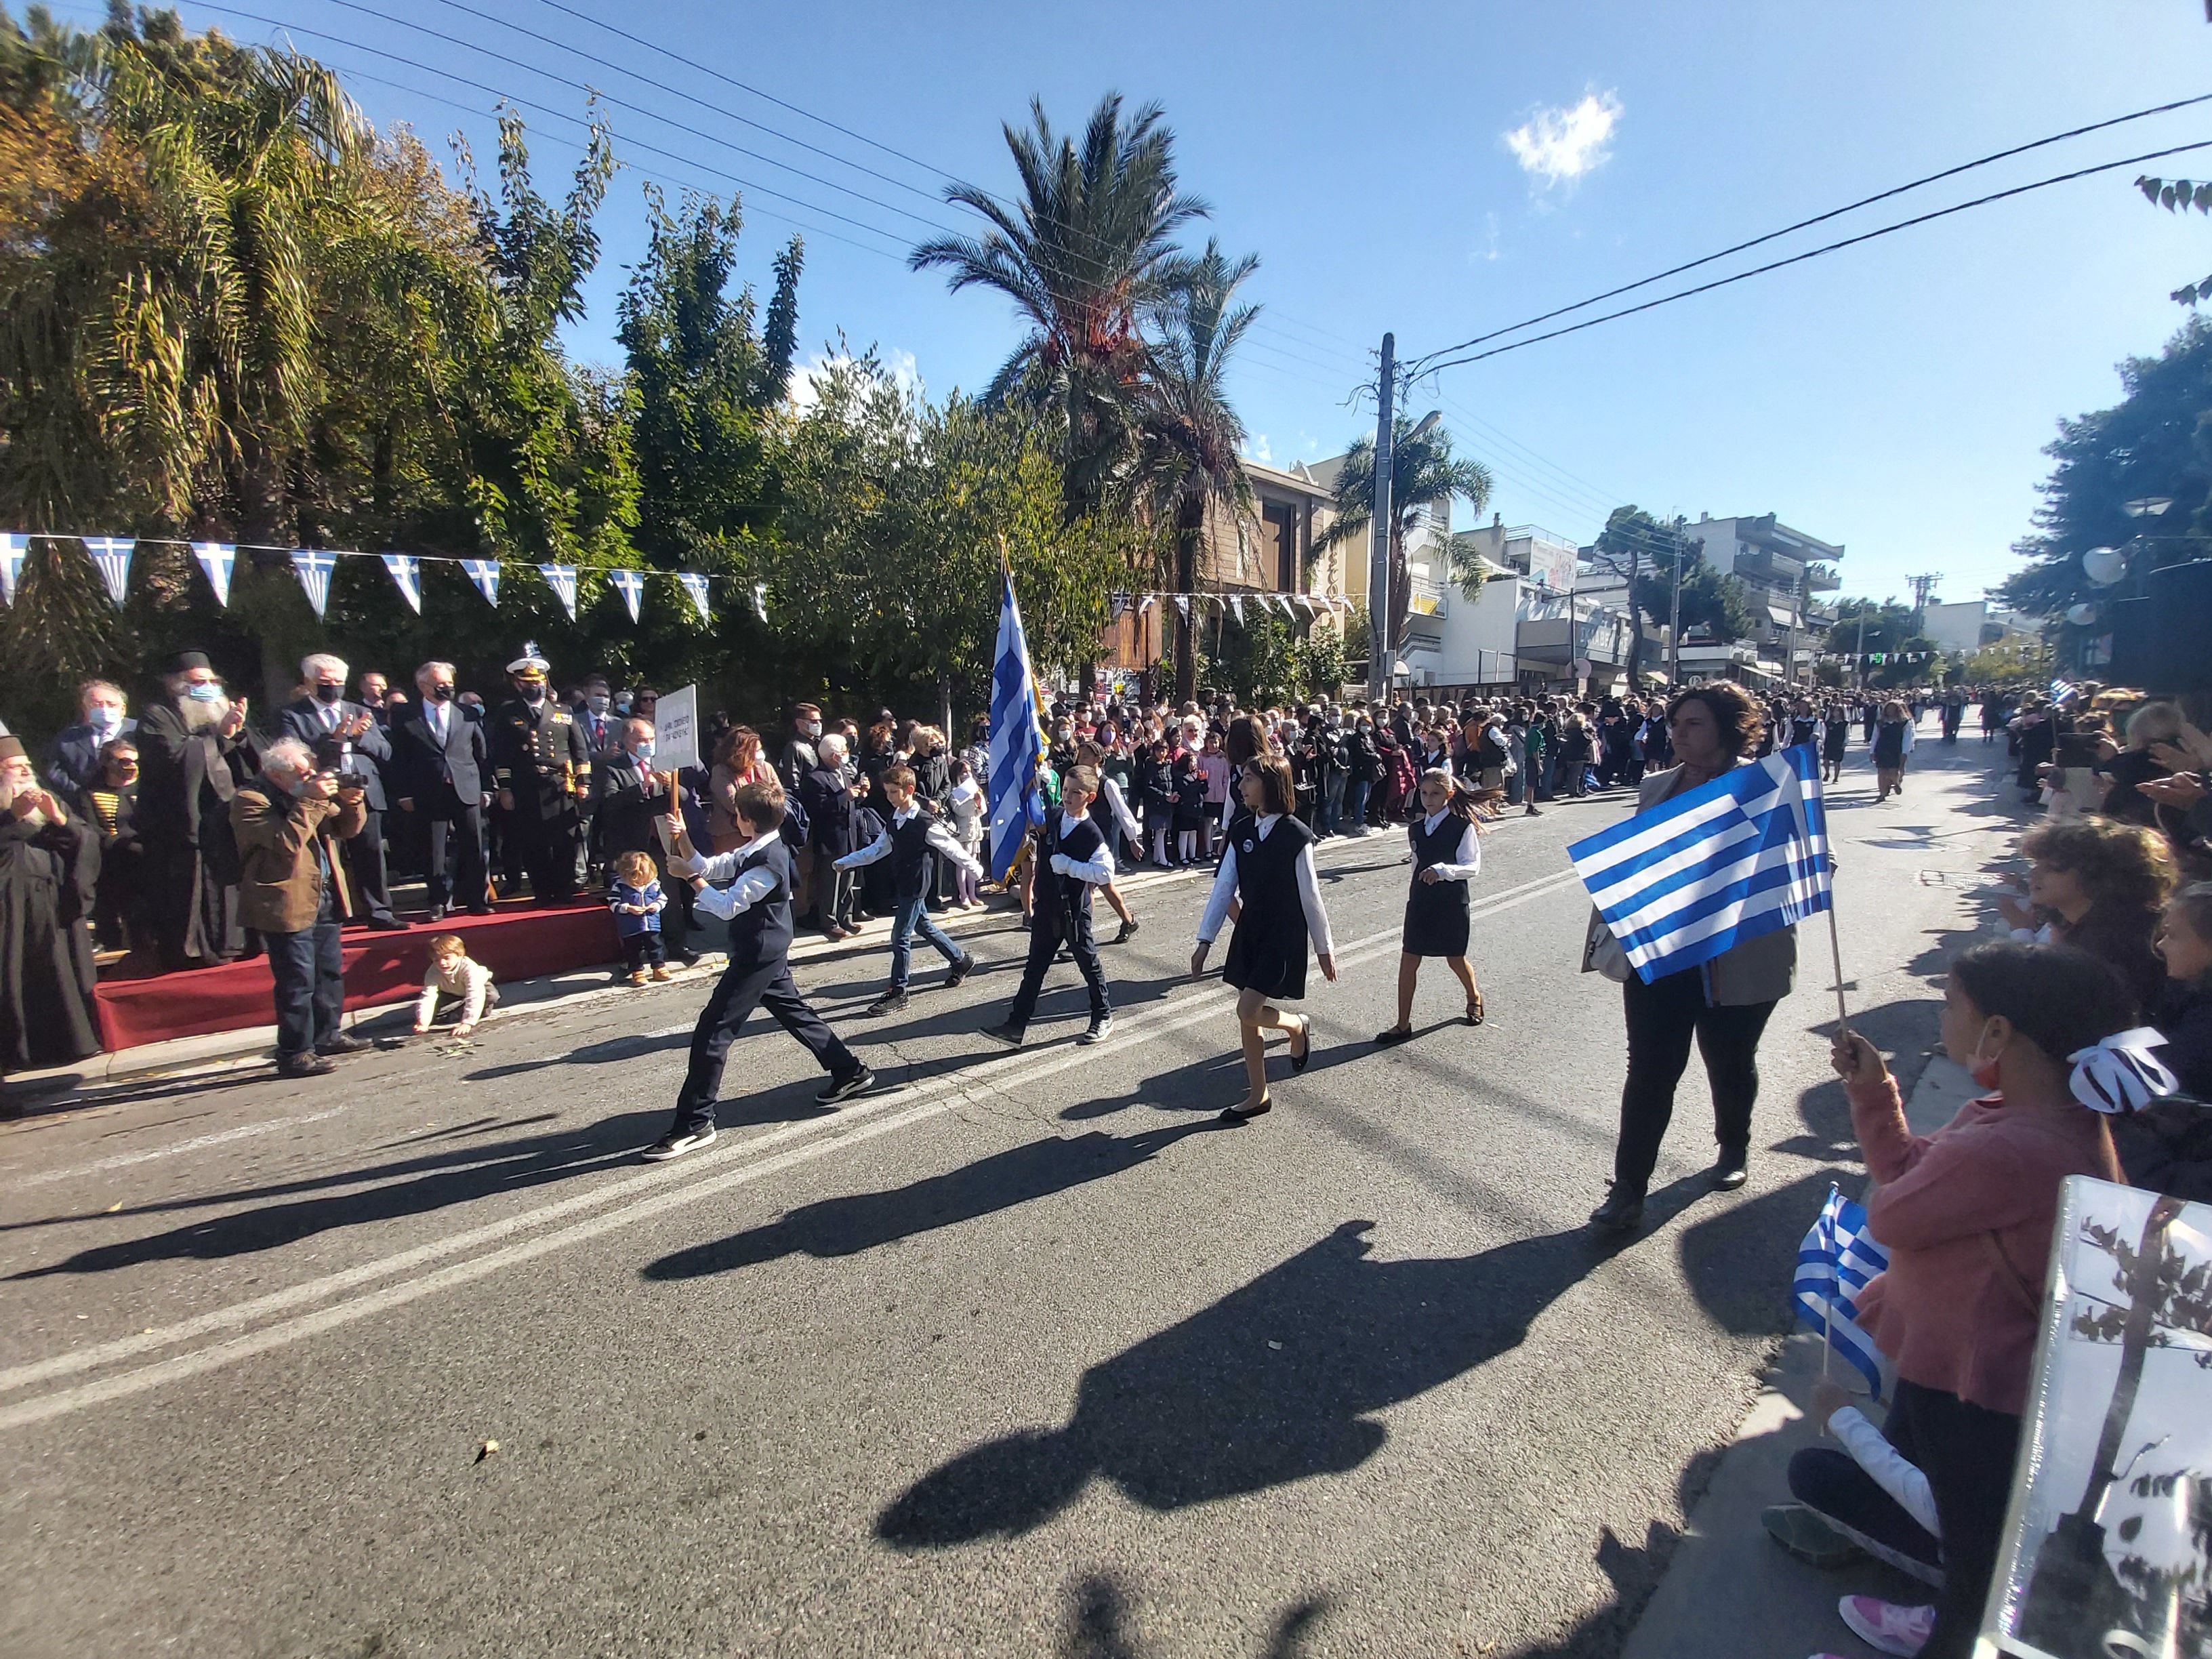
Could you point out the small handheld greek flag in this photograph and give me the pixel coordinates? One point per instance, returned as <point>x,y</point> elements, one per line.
<point>1834,1264</point>
<point>1017,747</point>
<point>1744,855</point>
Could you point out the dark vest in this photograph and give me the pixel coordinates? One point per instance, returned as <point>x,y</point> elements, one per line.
<point>910,854</point>
<point>1267,879</point>
<point>1082,845</point>
<point>761,934</point>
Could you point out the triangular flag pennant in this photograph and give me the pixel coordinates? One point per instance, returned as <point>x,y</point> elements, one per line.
<point>14,548</point>
<point>629,585</point>
<point>218,560</point>
<point>1149,599</point>
<point>313,567</point>
<point>1182,604</point>
<point>696,585</point>
<point>1237,603</point>
<point>407,575</point>
<point>1115,604</point>
<point>111,554</point>
<point>562,579</point>
<point>760,600</point>
<point>1300,599</point>
<point>484,572</point>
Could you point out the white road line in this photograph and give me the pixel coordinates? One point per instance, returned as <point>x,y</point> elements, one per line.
<point>848,1127</point>
<point>197,1143</point>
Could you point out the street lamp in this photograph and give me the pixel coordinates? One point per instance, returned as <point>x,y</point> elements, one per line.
<point>2151,505</point>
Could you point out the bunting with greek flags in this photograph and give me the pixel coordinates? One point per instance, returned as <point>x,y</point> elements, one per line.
<point>484,572</point>
<point>631,585</point>
<point>696,585</point>
<point>407,576</point>
<point>1744,854</point>
<point>111,557</point>
<point>1017,751</point>
<point>1834,1265</point>
<point>760,600</point>
<point>313,567</point>
<point>217,562</point>
<point>15,548</point>
<point>562,579</point>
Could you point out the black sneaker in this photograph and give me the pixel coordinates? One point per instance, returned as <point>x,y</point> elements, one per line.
<point>890,1002</point>
<point>1010,1035</point>
<point>341,1044</point>
<point>673,1146</point>
<point>844,1088</point>
<point>1128,931</point>
<point>959,970</point>
<point>1099,1031</point>
<point>1621,1211</point>
<point>1729,1169</point>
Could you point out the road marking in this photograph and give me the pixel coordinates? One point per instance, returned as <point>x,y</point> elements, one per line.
<point>823,1136</point>
<point>197,1143</point>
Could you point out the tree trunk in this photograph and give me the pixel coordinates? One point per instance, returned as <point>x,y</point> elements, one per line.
<point>2143,1306</point>
<point>1190,527</point>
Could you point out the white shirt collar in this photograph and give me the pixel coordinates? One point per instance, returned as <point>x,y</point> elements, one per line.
<point>1264,822</point>
<point>1071,821</point>
<point>910,809</point>
<point>1433,819</point>
<point>757,842</point>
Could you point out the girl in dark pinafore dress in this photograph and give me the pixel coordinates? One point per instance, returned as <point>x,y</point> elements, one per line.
<point>1447,855</point>
<point>1267,868</point>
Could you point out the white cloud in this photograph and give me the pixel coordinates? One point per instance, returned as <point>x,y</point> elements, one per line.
<point>1256,447</point>
<point>1562,144</point>
<point>803,379</point>
<point>1488,252</point>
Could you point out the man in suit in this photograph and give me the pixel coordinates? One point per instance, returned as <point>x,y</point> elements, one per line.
<point>374,689</point>
<point>627,796</point>
<point>601,727</point>
<point>73,759</point>
<point>828,799</point>
<point>347,734</point>
<point>438,761</point>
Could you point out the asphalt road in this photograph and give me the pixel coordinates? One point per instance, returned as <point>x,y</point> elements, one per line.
<point>1025,1356</point>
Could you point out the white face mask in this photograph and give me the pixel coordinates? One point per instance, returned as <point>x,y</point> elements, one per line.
<point>104,716</point>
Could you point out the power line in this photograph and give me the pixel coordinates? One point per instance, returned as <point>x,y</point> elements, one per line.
<point>1818,252</point>
<point>1822,218</point>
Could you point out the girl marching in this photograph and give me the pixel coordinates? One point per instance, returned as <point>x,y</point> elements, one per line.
<point>1447,856</point>
<point>1268,870</point>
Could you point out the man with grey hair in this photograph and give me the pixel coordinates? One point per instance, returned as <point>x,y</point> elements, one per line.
<point>347,737</point>
<point>439,763</point>
<point>827,795</point>
<point>194,750</point>
<point>294,892</point>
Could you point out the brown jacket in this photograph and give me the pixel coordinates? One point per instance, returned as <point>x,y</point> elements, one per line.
<point>281,890</point>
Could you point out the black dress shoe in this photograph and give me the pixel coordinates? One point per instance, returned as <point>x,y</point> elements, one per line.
<point>386,925</point>
<point>480,909</point>
<point>438,913</point>
<point>1729,1171</point>
<point>309,1064</point>
<point>1621,1211</point>
<point>341,1044</point>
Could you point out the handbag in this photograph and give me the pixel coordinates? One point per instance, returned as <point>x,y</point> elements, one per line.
<point>1603,953</point>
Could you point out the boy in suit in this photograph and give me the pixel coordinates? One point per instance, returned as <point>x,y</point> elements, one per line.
<point>908,840</point>
<point>758,906</point>
<point>1071,859</point>
<point>440,755</point>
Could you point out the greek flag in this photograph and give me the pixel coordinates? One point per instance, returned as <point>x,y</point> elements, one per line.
<point>1742,855</point>
<point>2062,689</point>
<point>1834,1263</point>
<point>1018,743</point>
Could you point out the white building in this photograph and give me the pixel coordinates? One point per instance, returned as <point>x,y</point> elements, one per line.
<point>1784,569</point>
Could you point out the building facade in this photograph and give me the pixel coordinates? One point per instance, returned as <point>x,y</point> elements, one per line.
<point>1784,569</point>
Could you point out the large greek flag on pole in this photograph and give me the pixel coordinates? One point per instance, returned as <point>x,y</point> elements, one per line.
<point>1018,743</point>
<point>1835,1262</point>
<point>1744,855</point>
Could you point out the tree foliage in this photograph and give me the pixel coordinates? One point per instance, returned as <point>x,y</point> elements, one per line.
<point>1423,471</point>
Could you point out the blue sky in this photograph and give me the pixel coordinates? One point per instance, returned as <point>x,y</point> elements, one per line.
<point>1894,397</point>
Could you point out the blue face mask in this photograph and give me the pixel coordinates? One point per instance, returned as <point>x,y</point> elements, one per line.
<point>204,692</point>
<point>105,718</point>
<point>642,751</point>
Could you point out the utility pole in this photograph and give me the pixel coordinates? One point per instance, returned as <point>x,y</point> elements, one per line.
<point>1923,589</point>
<point>1675,618</point>
<point>1379,652</point>
<point>1858,652</point>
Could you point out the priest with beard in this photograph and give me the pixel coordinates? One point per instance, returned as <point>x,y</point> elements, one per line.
<point>49,865</point>
<point>193,752</point>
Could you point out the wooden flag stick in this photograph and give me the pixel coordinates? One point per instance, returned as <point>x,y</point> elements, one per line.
<point>1836,955</point>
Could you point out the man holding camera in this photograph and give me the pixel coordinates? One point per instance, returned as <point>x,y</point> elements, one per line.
<point>294,895</point>
<point>348,739</point>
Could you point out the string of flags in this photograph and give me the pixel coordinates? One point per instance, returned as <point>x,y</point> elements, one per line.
<point>1878,658</point>
<point>1311,603</point>
<point>112,558</point>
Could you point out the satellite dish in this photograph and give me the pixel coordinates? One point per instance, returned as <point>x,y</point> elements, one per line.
<point>2082,615</point>
<point>2103,565</point>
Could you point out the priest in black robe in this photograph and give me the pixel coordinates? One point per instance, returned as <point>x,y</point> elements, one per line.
<point>49,867</point>
<point>194,750</point>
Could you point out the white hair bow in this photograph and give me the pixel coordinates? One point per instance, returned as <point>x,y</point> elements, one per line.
<point>2121,1074</point>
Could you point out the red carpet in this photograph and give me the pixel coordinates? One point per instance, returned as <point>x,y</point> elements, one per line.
<point>515,942</point>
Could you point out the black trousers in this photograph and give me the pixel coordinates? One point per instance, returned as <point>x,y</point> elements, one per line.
<point>1830,1480</point>
<point>453,833</point>
<point>1051,925</point>
<point>540,837</point>
<point>364,861</point>
<point>1966,1451</point>
<point>1662,1018</point>
<point>743,988</point>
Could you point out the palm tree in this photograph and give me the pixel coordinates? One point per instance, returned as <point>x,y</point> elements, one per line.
<point>1422,471</point>
<point>1086,253</point>
<point>1190,439</point>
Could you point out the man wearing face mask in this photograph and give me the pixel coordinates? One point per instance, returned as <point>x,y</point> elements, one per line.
<point>602,726</point>
<point>627,795</point>
<point>328,724</point>
<point>73,759</point>
<point>438,761</point>
<point>800,755</point>
<point>542,772</point>
<point>49,863</point>
<point>194,750</point>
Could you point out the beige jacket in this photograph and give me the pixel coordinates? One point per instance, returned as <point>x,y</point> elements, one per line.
<point>281,889</point>
<point>1761,969</point>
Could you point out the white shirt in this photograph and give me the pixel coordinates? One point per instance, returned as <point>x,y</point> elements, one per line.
<point>749,889</point>
<point>1120,808</point>
<point>1468,860</point>
<point>1225,890</point>
<point>940,842</point>
<point>1098,872</point>
<point>456,977</point>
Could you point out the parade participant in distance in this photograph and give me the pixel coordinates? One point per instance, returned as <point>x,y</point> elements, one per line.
<point>1071,858</point>
<point>1447,856</point>
<point>1267,871</point>
<point>758,905</point>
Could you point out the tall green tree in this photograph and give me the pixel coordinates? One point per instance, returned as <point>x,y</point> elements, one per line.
<point>1422,471</point>
<point>1648,553</point>
<point>1189,452</point>
<point>1087,249</point>
<point>1891,629</point>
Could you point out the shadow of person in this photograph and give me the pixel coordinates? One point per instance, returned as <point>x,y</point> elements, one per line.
<point>1276,1382</point>
<point>845,1226</point>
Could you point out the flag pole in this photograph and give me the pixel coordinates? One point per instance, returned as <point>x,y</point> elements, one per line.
<point>1835,956</point>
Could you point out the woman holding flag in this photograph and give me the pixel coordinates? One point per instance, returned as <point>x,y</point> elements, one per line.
<point>1724,1003</point>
